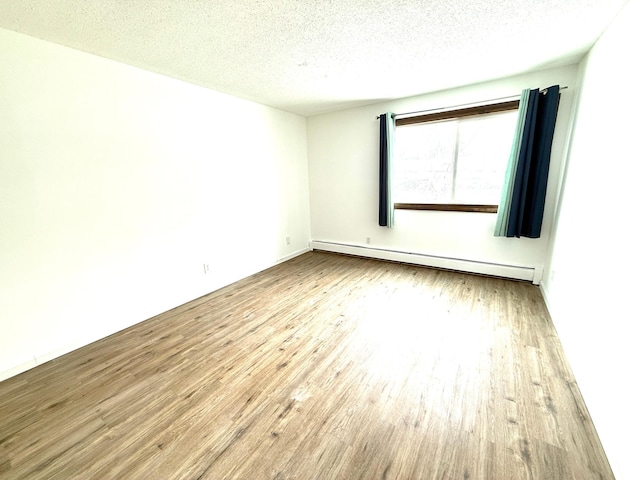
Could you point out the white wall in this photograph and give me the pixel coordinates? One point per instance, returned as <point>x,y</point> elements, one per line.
<point>343,166</point>
<point>591,285</point>
<point>117,185</point>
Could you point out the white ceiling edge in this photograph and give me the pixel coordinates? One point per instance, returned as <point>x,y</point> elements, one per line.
<point>313,58</point>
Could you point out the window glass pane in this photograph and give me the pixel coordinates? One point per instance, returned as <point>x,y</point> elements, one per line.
<point>453,161</point>
<point>423,162</point>
<point>484,146</point>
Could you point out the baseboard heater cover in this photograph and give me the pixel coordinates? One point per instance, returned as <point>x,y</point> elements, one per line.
<point>531,274</point>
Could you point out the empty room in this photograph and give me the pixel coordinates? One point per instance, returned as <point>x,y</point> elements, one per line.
<point>328,240</point>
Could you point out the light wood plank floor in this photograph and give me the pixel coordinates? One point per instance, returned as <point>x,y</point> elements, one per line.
<point>324,367</point>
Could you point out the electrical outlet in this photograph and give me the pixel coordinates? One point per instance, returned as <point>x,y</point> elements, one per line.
<point>368,240</point>
<point>288,240</point>
<point>205,267</point>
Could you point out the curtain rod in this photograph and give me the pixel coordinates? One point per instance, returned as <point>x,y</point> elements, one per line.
<point>454,107</point>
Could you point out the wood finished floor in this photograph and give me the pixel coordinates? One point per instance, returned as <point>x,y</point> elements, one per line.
<point>324,367</point>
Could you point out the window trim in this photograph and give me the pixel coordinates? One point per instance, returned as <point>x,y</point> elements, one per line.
<point>447,115</point>
<point>459,113</point>
<point>448,207</point>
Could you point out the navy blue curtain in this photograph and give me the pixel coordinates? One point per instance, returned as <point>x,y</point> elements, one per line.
<point>532,167</point>
<point>385,205</point>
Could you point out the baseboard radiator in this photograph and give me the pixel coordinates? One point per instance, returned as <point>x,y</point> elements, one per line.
<point>531,274</point>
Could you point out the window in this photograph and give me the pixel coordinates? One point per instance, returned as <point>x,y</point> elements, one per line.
<point>453,160</point>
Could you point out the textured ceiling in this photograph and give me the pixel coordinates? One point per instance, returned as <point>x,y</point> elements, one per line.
<point>315,56</point>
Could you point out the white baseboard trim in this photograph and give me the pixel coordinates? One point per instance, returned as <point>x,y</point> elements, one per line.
<point>293,255</point>
<point>18,369</point>
<point>37,360</point>
<point>545,297</point>
<point>531,274</point>
<point>58,352</point>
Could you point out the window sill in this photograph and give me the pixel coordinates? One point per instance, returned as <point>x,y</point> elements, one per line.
<point>447,207</point>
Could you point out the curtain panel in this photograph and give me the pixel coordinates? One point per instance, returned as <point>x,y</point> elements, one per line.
<point>385,204</point>
<point>525,186</point>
